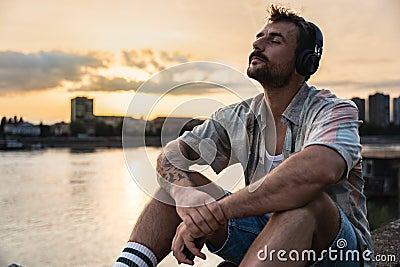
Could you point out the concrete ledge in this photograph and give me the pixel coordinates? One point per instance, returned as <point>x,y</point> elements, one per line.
<point>387,242</point>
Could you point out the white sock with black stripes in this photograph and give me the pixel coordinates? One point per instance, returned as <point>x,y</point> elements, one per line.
<point>136,255</point>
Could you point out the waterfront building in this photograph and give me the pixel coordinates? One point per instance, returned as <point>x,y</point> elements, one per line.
<point>22,128</point>
<point>60,129</point>
<point>381,171</point>
<point>379,109</point>
<point>396,111</point>
<point>114,121</point>
<point>360,103</point>
<point>81,109</point>
<point>133,126</point>
<point>171,126</point>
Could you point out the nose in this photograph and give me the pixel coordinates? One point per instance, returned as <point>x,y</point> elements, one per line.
<point>257,44</point>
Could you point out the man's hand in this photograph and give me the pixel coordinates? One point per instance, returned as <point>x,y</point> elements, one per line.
<point>201,214</point>
<point>184,239</point>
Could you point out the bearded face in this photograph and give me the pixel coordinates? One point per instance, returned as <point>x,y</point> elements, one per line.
<point>272,62</point>
<point>270,74</point>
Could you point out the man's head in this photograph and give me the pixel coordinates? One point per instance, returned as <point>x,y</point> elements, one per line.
<point>278,45</point>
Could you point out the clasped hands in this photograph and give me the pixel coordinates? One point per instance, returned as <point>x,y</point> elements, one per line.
<point>201,216</point>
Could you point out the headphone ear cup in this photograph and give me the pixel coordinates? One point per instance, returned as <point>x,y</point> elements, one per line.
<point>300,62</point>
<point>312,64</point>
<point>307,63</point>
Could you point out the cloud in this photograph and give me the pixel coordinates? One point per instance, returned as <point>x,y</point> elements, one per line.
<point>151,61</point>
<point>104,84</point>
<point>21,72</point>
<point>196,78</point>
<point>166,84</point>
<point>199,78</point>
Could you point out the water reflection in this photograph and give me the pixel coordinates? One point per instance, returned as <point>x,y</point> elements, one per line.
<point>79,150</point>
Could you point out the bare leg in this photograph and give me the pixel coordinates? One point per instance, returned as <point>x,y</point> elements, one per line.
<point>156,226</point>
<point>313,226</point>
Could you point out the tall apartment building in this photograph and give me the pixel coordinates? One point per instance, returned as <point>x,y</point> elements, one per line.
<point>360,103</point>
<point>396,111</point>
<point>81,109</point>
<point>379,112</point>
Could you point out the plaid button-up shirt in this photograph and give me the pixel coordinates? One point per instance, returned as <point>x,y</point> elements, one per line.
<point>244,132</point>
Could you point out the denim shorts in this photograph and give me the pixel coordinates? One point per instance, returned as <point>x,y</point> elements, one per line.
<point>242,233</point>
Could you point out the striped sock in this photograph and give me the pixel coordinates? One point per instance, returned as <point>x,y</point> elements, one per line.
<point>136,255</point>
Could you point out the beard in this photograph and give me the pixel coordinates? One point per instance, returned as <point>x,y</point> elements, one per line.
<point>271,75</point>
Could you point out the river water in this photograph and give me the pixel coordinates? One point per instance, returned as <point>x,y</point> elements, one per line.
<point>60,207</point>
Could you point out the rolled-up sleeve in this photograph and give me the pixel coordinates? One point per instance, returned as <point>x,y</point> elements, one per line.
<point>336,126</point>
<point>210,140</point>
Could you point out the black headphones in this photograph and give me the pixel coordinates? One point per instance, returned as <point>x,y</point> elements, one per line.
<point>307,61</point>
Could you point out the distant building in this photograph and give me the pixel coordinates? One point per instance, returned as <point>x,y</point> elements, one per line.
<point>379,109</point>
<point>60,129</point>
<point>381,171</point>
<point>360,103</point>
<point>396,111</point>
<point>171,126</point>
<point>114,121</point>
<point>133,126</point>
<point>82,109</point>
<point>22,128</point>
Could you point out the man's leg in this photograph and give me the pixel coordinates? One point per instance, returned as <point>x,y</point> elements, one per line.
<point>156,226</point>
<point>313,226</point>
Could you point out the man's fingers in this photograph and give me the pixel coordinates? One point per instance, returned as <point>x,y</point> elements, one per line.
<point>209,220</point>
<point>178,246</point>
<point>191,246</point>
<point>194,225</point>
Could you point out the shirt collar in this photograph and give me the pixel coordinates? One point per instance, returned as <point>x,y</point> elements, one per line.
<point>261,110</point>
<point>293,110</point>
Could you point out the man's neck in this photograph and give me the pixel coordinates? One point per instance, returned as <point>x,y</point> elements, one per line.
<point>279,98</point>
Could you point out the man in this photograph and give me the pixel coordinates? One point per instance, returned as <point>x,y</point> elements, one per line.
<point>311,201</point>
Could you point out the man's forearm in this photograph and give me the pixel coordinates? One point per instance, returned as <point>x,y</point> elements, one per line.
<point>169,175</point>
<point>294,183</point>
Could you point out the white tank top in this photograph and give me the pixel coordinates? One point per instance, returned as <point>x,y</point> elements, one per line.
<point>276,160</point>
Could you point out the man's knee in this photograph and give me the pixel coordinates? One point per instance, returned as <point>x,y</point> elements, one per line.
<point>299,216</point>
<point>320,210</point>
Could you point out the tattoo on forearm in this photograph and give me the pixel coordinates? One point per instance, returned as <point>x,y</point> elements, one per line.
<point>167,173</point>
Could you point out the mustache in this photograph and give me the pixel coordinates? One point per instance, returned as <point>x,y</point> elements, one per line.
<point>258,54</point>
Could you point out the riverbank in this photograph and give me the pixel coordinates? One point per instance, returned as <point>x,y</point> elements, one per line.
<point>137,141</point>
<point>87,142</point>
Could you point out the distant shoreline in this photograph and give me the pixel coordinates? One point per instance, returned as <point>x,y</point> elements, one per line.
<point>88,142</point>
<point>116,141</point>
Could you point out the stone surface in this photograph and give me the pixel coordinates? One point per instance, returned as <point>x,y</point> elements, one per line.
<point>387,242</point>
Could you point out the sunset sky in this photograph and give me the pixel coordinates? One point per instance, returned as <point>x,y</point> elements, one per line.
<point>52,51</point>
